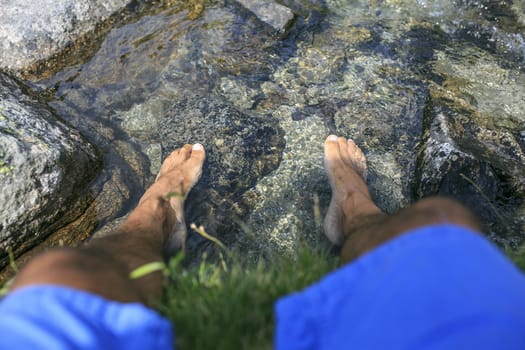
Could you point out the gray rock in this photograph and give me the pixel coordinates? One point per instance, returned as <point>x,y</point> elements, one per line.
<point>275,15</point>
<point>34,30</point>
<point>240,150</point>
<point>289,198</point>
<point>239,94</point>
<point>44,167</point>
<point>483,169</point>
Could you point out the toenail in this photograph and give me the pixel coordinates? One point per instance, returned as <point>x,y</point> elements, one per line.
<point>197,147</point>
<point>331,138</point>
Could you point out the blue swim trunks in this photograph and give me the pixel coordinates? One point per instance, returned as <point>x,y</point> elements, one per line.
<point>438,287</point>
<point>59,318</point>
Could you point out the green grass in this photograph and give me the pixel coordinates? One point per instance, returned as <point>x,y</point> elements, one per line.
<point>517,256</point>
<point>229,304</point>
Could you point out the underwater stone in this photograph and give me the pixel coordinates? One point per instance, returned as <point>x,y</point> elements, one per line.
<point>238,93</point>
<point>241,149</point>
<point>275,15</point>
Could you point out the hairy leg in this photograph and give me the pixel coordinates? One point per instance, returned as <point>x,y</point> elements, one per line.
<point>103,265</point>
<point>355,222</point>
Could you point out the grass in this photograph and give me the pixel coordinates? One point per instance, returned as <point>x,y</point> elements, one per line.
<point>229,304</point>
<point>517,256</point>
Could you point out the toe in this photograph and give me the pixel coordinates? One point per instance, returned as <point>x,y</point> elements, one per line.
<point>180,155</point>
<point>184,152</point>
<point>331,148</point>
<point>343,146</point>
<point>198,153</point>
<point>358,158</point>
<point>353,150</point>
<point>195,161</point>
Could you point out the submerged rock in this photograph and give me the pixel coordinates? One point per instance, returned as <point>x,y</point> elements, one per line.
<point>241,149</point>
<point>44,168</point>
<point>176,81</point>
<point>473,149</point>
<point>277,16</point>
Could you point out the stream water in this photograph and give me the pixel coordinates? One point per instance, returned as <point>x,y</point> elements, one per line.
<point>263,105</point>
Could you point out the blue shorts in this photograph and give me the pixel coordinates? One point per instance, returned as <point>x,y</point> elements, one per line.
<point>59,318</point>
<point>438,287</point>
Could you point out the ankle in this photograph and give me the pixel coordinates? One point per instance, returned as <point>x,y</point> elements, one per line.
<point>149,212</point>
<point>357,207</point>
<point>360,220</point>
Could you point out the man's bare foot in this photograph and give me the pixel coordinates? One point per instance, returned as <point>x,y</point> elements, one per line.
<point>345,165</point>
<point>163,202</point>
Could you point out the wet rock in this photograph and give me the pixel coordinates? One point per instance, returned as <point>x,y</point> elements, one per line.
<point>158,56</point>
<point>519,8</point>
<point>142,120</point>
<point>483,169</point>
<point>474,150</point>
<point>241,149</point>
<point>167,70</point>
<point>154,154</point>
<point>287,202</point>
<point>275,15</point>
<point>376,102</point>
<point>241,95</point>
<point>31,31</point>
<point>44,168</point>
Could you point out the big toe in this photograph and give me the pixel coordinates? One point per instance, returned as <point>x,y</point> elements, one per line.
<point>331,149</point>
<point>195,161</point>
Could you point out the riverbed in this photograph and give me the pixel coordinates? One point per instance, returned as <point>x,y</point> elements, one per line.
<point>403,78</point>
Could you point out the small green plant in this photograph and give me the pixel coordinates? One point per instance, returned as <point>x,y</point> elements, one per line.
<point>4,289</point>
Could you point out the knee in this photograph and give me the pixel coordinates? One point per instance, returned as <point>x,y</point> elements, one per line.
<point>42,267</point>
<point>46,261</point>
<point>442,206</point>
<point>447,210</point>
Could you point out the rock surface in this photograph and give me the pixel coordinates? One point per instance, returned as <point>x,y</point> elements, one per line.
<point>35,30</point>
<point>277,16</point>
<point>470,161</point>
<point>432,91</point>
<point>44,168</point>
<point>241,149</point>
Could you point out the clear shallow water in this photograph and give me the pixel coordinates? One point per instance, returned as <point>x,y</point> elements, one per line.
<point>364,69</point>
